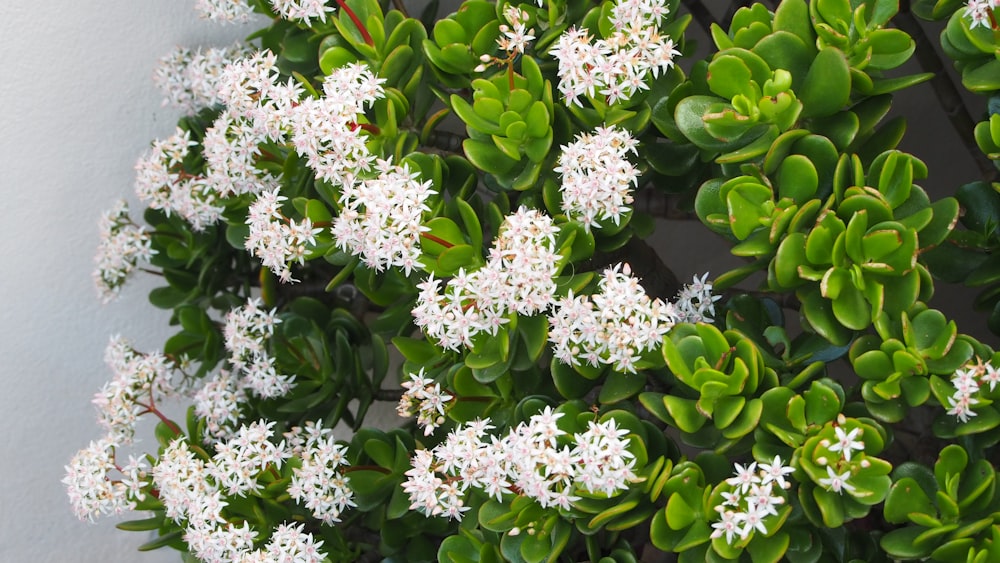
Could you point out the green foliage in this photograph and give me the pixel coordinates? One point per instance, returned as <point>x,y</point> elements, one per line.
<point>777,141</point>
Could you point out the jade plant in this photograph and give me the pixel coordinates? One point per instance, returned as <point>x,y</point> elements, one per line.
<point>373,203</point>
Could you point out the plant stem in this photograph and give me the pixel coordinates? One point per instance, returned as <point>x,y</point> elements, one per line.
<point>357,22</point>
<point>438,240</point>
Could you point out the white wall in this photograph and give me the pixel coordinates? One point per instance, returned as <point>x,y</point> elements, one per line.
<point>77,107</point>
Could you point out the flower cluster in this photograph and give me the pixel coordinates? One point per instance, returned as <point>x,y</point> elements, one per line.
<point>614,326</point>
<point>246,332</point>
<point>123,244</point>
<point>326,130</point>
<point>597,179</point>
<point>162,182</point>
<point>695,302</point>
<point>515,37</point>
<point>193,491</point>
<point>137,377</point>
<point>277,240</point>
<point>257,109</point>
<point>319,483</point>
<point>424,399</point>
<point>981,13</point>
<point>530,460</point>
<point>754,493</point>
<point>616,67</point>
<point>219,404</point>
<point>92,492</point>
<point>967,381</point>
<point>190,80</point>
<point>842,449</point>
<point>381,218</point>
<point>305,10</point>
<point>518,278</point>
<point>224,11</point>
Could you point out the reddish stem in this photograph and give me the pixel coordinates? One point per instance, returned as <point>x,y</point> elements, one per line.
<point>373,129</point>
<point>357,22</point>
<point>150,408</point>
<point>438,240</point>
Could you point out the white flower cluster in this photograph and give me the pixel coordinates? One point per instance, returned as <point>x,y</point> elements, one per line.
<point>528,461</point>
<point>224,11</point>
<point>518,278</point>
<point>326,131</point>
<point>123,244</point>
<point>246,332</point>
<point>516,36</point>
<point>597,179</point>
<point>980,12</point>
<point>163,184</point>
<point>614,326</point>
<point>695,303</point>
<point>192,492</point>
<point>219,404</point>
<point>258,106</point>
<point>92,492</point>
<point>424,399</point>
<point>756,491</point>
<point>319,483</point>
<point>615,67</point>
<point>276,240</point>
<point>190,80</point>
<point>137,377</point>
<point>305,10</point>
<point>381,218</point>
<point>847,443</point>
<point>967,381</point>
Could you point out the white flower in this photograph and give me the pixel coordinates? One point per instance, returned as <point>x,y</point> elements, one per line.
<point>138,383</point>
<point>846,442</point>
<point>91,492</point>
<point>224,11</point>
<point>423,397</point>
<point>756,492</point>
<point>518,278</point>
<point>162,183</point>
<point>190,80</point>
<point>381,218</point>
<point>837,483</point>
<point>516,36</point>
<point>730,525</point>
<point>277,240</point>
<point>617,66</point>
<point>319,483</point>
<point>978,12</point>
<point>775,472</point>
<point>597,179</point>
<point>305,10</point>
<point>123,245</point>
<point>613,326</point>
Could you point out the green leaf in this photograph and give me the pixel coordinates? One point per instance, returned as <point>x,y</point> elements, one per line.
<point>143,525</point>
<point>906,496</point>
<point>685,413</point>
<point>171,538</point>
<point>770,549</point>
<point>827,87</point>
<point>620,386</point>
<point>729,77</point>
<point>900,543</point>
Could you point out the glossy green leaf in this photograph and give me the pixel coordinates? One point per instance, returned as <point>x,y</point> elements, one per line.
<point>827,86</point>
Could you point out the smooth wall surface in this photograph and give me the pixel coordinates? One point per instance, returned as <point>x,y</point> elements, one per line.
<point>77,108</point>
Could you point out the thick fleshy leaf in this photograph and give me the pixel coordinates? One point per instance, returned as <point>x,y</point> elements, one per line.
<point>827,87</point>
